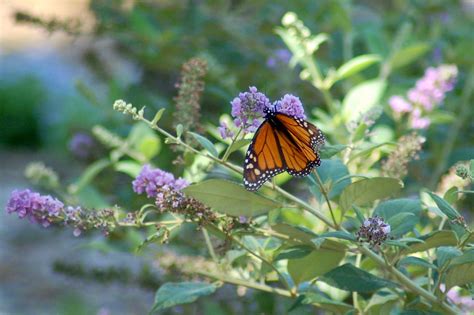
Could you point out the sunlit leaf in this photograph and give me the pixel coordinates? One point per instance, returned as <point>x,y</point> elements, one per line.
<point>230,198</point>
<point>207,144</point>
<point>356,65</point>
<point>409,54</point>
<point>128,167</point>
<point>305,269</point>
<point>444,206</point>
<point>431,240</point>
<point>158,116</point>
<point>366,191</point>
<point>239,144</point>
<point>362,97</point>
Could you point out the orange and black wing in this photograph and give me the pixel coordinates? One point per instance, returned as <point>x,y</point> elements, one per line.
<point>300,142</point>
<point>282,143</point>
<point>263,159</point>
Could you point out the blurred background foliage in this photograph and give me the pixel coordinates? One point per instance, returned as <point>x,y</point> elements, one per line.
<point>51,97</point>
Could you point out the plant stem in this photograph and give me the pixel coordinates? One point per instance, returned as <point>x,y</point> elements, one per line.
<point>453,132</point>
<point>244,283</point>
<point>326,196</point>
<point>210,248</point>
<point>227,151</point>
<point>354,294</point>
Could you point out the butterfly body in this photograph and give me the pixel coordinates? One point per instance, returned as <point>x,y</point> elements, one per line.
<point>281,143</point>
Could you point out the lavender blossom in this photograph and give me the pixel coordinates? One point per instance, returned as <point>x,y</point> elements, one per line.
<point>290,105</point>
<point>428,92</point>
<point>224,131</point>
<point>247,109</point>
<point>150,180</point>
<point>399,104</point>
<point>42,209</point>
<point>374,231</point>
<point>46,210</point>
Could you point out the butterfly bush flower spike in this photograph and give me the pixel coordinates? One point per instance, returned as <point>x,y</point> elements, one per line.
<point>374,231</point>
<point>150,180</point>
<point>290,105</point>
<point>428,93</point>
<point>247,109</point>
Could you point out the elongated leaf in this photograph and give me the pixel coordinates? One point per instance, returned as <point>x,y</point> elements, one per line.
<point>444,206</point>
<point>461,270</point>
<point>362,97</point>
<point>239,144</point>
<point>350,278</point>
<point>292,252</point>
<point>318,300</point>
<point>366,191</point>
<point>381,304</point>
<point>401,223</point>
<point>130,168</point>
<point>432,240</point>
<point>333,175</point>
<point>89,174</point>
<point>444,254</point>
<point>416,261</point>
<point>339,234</point>
<point>388,209</point>
<point>356,65</point>
<point>330,150</point>
<point>171,294</point>
<point>208,145</point>
<point>230,198</point>
<point>158,116</point>
<point>305,269</point>
<point>409,54</point>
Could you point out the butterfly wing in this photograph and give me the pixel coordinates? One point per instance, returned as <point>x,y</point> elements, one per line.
<point>263,159</point>
<point>300,141</point>
<point>283,143</point>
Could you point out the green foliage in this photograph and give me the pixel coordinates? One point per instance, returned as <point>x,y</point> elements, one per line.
<point>171,294</point>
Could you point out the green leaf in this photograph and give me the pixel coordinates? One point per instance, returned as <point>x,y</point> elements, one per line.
<point>305,269</point>
<point>230,198</point>
<point>362,97</point>
<point>239,144</point>
<point>409,54</point>
<point>128,167</point>
<point>171,294</point>
<point>350,278</point>
<point>293,252</point>
<point>302,235</point>
<point>356,65</point>
<point>88,175</point>
<point>149,146</point>
<point>445,253</point>
<point>432,240</point>
<point>159,236</point>
<point>366,191</point>
<point>461,270</point>
<point>401,223</point>
<point>208,145</point>
<point>158,116</point>
<point>179,130</point>
<point>320,301</point>
<point>444,206</point>
<point>359,215</point>
<point>381,304</point>
<point>451,195</point>
<point>331,172</point>
<point>339,234</point>
<point>441,117</point>
<point>415,261</point>
<point>328,151</point>
<point>388,209</point>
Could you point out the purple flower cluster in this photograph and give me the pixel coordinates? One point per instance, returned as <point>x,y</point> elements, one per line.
<point>46,210</point>
<point>428,93</point>
<point>290,105</point>
<point>82,145</point>
<point>151,180</point>
<point>166,190</point>
<point>466,303</point>
<point>374,231</point>
<point>249,107</point>
<point>42,209</point>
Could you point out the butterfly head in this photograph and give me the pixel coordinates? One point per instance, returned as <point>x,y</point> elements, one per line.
<point>269,111</point>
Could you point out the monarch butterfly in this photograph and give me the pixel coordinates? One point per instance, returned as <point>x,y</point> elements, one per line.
<point>281,143</point>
